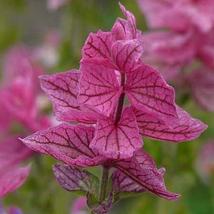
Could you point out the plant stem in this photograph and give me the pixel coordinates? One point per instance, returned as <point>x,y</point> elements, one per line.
<point>120,102</point>
<point>104,184</point>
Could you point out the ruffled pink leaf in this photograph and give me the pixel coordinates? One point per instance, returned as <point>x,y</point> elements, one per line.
<point>72,178</point>
<point>202,86</point>
<point>117,140</point>
<point>125,54</point>
<point>67,143</point>
<point>185,128</point>
<point>99,87</point>
<point>142,169</point>
<point>148,91</point>
<point>13,179</point>
<point>122,183</point>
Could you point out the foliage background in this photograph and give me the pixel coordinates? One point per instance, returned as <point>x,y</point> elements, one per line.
<point>27,21</point>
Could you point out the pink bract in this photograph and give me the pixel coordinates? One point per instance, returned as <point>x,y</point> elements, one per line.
<point>111,70</point>
<point>115,96</point>
<point>70,144</point>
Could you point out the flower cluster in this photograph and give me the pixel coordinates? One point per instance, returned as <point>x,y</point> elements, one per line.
<point>115,98</point>
<point>19,109</point>
<point>186,45</point>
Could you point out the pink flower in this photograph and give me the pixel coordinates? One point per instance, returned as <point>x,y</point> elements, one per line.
<point>179,15</point>
<point>18,105</point>
<point>118,98</point>
<point>176,51</point>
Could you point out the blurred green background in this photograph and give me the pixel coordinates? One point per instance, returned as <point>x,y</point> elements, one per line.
<point>27,22</point>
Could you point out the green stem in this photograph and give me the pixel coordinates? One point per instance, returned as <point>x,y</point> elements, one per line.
<point>104,184</point>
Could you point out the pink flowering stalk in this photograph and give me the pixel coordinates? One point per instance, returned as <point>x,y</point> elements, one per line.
<point>115,98</point>
<point>18,108</point>
<point>187,45</point>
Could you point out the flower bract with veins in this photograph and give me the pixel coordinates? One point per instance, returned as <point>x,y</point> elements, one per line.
<point>115,98</point>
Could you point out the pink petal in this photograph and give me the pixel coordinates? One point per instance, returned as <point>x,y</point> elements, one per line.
<point>126,29</point>
<point>98,45</point>
<point>122,183</point>
<point>148,91</point>
<point>185,128</point>
<point>99,87</point>
<point>202,86</point>
<point>62,89</point>
<point>117,140</point>
<point>71,178</point>
<point>13,179</point>
<point>141,169</point>
<point>67,143</point>
<point>125,54</point>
